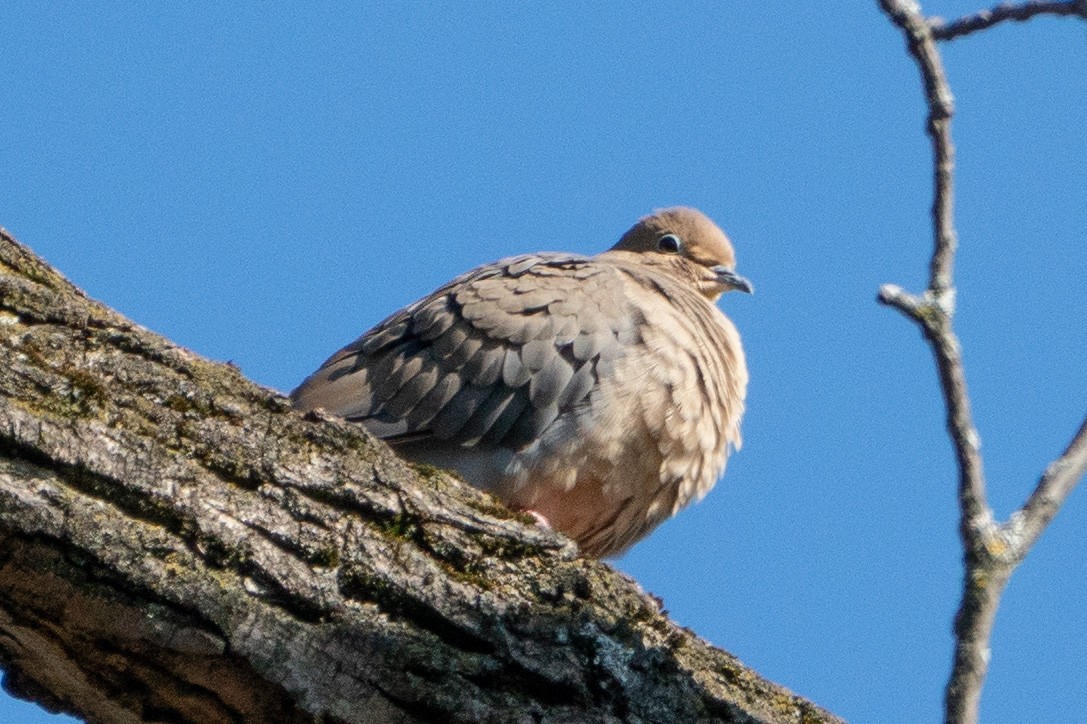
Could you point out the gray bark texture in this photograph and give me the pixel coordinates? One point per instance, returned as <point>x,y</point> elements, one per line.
<point>178,545</point>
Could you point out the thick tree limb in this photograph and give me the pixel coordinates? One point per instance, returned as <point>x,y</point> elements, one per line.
<point>176,544</point>
<point>992,550</point>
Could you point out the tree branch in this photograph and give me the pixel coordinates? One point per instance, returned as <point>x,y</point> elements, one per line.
<point>177,544</point>
<point>1059,480</point>
<point>984,19</point>
<point>991,550</point>
<point>906,14</point>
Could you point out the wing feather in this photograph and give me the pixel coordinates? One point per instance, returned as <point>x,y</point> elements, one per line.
<point>492,358</point>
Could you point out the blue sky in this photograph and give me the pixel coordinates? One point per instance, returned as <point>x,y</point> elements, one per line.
<point>263,183</point>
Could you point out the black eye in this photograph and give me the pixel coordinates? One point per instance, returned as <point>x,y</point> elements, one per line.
<point>669,243</point>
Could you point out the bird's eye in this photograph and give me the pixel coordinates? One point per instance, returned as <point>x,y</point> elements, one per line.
<point>670,244</point>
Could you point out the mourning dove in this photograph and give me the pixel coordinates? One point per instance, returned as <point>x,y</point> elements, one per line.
<point>602,393</point>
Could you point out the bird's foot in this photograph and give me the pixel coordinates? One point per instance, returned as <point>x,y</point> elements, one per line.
<point>539,518</point>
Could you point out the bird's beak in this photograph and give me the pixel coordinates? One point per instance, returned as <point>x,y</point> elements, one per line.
<point>731,280</point>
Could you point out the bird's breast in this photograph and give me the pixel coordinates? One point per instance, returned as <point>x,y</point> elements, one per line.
<point>653,435</point>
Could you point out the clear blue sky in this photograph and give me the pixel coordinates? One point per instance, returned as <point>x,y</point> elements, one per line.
<point>263,183</point>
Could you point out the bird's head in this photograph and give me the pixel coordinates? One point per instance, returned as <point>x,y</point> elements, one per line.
<point>687,244</point>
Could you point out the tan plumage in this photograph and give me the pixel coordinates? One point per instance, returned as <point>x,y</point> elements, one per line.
<point>602,393</point>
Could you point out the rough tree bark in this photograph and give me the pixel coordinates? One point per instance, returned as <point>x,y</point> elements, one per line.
<point>177,545</point>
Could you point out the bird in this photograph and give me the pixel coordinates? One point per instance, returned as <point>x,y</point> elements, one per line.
<point>600,394</point>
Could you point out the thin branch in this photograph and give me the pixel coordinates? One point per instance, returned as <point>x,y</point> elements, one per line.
<point>895,296</point>
<point>1057,483</point>
<point>989,566</point>
<point>906,14</point>
<point>984,19</point>
<point>935,321</point>
<point>991,551</point>
<point>982,589</point>
<point>935,309</point>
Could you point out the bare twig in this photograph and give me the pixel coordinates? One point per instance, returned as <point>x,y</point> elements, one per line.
<point>984,19</point>
<point>906,14</point>
<point>1059,480</point>
<point>991,550</point>
<point>933,311</point>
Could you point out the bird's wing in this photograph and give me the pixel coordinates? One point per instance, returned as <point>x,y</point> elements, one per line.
<point>491,358</point>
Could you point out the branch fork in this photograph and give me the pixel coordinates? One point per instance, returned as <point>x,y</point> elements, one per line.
<point>991,550</point>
